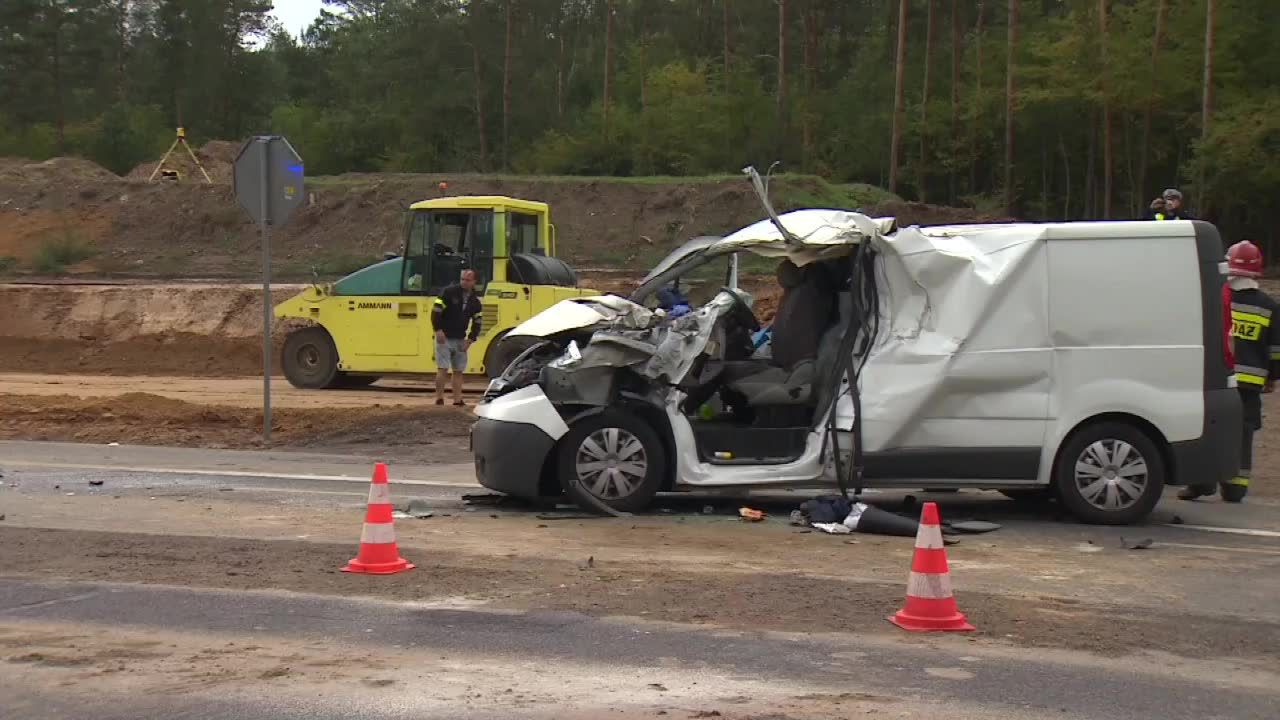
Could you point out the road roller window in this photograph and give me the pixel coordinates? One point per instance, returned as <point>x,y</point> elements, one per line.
<point>417,265</point>
<point>522,233</point>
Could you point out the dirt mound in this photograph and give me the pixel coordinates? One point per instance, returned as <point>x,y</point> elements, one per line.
<point>916,213</point>
<point>142,418</point>
<point>59,170</point>
<point>135,330</point>
<point>217,157</point>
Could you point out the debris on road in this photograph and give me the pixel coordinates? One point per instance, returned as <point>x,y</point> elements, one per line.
<point>865,518</point>
<point>1088,547</point>
<point>1142,544</point>
<point>833,528</point>
<point>826,510</point>
<point>96,482</point>
<point>751,514</point>
<point>400,515</point>
<point>708,510</point>
<point>973,526</point>
<point>418,509</point>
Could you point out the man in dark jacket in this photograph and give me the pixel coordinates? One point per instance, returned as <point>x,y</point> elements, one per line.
<point>1173,209</point>
<point>456,319</point>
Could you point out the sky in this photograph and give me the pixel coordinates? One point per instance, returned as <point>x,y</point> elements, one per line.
<point>296,15</point>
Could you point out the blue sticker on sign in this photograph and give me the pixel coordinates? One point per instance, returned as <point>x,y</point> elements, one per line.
<point>295,169</point>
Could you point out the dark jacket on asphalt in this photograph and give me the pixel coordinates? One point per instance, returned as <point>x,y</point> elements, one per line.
<point>455,309</point>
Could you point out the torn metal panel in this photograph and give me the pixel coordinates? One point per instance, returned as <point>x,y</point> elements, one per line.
<point>972,348</point>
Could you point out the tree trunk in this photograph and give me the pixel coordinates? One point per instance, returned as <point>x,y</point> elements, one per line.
<point>506,92</point>
<point>899,72</point>
<point>1108,162</point>
<point>1162,13</point>
<point>955,95</point>
<point>644,66</point>
<point>728,42</point>
<point>59,106</point>
<point>479,84</point>
<point>560,69</point>
<point>1090,207</point>
<point>1206,107</point>
<point>122,33</point>
<point>810,80</point>
<point>1010,94</point>
<point>608,59</point>
<point>977,101</point>
<point>924,102</point>
<point>782,77</point>
<point>1066,177</point>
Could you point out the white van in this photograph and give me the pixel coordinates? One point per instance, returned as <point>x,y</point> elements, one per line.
<point>1082,359</point>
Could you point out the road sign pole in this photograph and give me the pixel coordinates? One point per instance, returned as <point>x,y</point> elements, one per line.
<point>266,305</point>
<point>263,160</point>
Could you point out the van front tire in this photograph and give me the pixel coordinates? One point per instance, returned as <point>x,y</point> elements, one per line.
<point>1109,473</point>
<point>612,457</point>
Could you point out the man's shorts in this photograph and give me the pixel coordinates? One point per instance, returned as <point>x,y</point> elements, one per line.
<point>450,355</point>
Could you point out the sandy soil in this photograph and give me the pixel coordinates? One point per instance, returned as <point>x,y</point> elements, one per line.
<point>399,429</point>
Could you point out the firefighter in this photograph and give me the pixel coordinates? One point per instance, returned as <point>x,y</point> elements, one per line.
<point>1254,319</point>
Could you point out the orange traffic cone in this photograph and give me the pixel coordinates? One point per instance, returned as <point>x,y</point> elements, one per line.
<point>930,604</point>
<point>378,553</point>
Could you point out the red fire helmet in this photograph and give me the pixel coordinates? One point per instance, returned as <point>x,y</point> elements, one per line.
<point>1244,259</point>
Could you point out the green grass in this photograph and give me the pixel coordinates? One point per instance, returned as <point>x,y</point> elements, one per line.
<point>8,263</point>
<point>55,255</point>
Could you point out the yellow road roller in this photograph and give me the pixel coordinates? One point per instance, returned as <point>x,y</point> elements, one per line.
<point>377,320</point>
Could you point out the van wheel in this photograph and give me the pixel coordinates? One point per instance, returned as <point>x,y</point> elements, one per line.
<point>310,360</point>
<point>614,457</point>
<point>505,349</point>
<point>1109,473</point>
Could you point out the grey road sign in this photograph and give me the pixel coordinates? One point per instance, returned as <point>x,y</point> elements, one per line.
<point>268,185</point>
<point>269,172</point>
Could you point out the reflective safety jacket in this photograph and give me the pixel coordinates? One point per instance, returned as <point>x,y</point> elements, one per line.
<point>1254,316</point>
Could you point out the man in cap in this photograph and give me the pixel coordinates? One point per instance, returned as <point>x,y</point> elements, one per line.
<point>1173,209</point>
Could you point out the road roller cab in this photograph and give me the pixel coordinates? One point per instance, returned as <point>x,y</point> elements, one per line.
<point>377,320</point>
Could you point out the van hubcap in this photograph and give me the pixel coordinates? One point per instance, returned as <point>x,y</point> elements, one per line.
<point>611,463</point>
<point>1111,474</point>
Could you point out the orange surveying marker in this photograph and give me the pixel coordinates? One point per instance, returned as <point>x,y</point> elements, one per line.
<point>930,604</point>
<point>378,553</point>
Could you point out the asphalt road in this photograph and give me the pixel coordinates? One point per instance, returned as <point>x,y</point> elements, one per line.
<point>952,673</point>
<point>106,650</point>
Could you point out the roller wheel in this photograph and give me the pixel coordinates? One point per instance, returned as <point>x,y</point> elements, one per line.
<point>310,359</point>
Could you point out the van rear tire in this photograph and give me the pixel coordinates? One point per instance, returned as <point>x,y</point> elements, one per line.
<point>1109,473</point>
